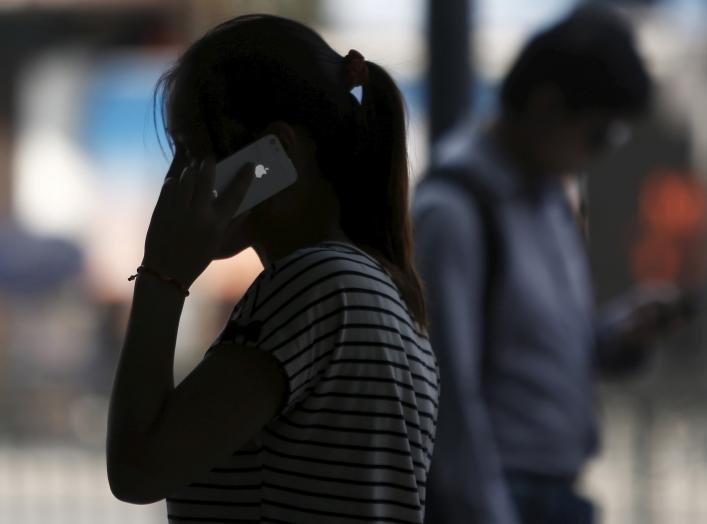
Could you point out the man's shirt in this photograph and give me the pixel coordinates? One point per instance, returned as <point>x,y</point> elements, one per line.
<point>516,370</point>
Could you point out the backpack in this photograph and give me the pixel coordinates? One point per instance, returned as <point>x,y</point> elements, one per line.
<point>485,202</point>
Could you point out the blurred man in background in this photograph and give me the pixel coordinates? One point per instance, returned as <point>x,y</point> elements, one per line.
<point>512,317</point>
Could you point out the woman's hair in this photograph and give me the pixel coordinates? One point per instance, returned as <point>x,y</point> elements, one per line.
<point>252,70</point>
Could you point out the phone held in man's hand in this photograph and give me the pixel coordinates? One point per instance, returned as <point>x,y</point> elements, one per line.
<point>689,304</point>
<point>657,314</point>
<point>273,171</point>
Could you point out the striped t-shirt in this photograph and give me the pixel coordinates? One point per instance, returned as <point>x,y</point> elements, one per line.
<point>354,438</point>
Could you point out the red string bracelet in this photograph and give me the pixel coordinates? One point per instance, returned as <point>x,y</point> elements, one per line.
<point>154,272</point>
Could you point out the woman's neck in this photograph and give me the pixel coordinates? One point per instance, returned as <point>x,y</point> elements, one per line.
<point>271,249</point>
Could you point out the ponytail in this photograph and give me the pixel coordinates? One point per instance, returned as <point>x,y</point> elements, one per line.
<point>375,204</point>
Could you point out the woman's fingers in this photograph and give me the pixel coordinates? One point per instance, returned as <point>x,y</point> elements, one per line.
<point>232,196</point>
<point>203,193</point>
<point>167,193</point>
<point>187,184</point>
<point>179,161</point>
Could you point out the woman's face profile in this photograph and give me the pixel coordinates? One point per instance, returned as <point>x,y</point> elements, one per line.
<point>280,215</point>
<point>284,211</point>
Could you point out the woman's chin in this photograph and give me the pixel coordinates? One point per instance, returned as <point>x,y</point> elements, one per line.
<point>231,247</point>
<point>235,238</point>
<point>228,252</point>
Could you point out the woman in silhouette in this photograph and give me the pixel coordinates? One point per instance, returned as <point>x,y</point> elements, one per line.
<point>318,400</point>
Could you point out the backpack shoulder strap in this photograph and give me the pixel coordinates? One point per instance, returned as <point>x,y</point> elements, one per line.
<point>484,203</point>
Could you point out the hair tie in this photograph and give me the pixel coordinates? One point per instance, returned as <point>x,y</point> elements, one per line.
<point>356,69</point>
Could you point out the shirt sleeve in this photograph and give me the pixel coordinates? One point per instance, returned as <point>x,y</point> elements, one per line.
<point>466,483</point>
<point>297,315</point>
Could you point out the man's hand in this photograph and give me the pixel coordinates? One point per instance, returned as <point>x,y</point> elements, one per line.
<point>653,311</point>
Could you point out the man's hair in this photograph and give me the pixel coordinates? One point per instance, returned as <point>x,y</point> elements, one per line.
<point>590,57</point>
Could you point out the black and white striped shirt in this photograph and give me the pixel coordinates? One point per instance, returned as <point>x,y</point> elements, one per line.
<point>354,438</point>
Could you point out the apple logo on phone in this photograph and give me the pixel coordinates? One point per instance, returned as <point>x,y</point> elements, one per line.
<point>261,170</point>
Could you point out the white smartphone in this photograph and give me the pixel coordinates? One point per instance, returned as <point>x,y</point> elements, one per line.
<point>274,171</point>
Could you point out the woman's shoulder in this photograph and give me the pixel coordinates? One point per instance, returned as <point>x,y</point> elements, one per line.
<point>329,258</point>
<point>330,275</point>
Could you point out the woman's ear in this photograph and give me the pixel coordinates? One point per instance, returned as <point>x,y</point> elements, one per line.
<point>284,132</point>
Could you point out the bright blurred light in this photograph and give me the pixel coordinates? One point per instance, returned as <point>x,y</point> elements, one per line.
<point>53,189</point>
<point>521,16</point>
<point>390,15</point>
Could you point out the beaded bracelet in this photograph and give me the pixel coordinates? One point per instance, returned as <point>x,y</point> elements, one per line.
<point>149,270</point>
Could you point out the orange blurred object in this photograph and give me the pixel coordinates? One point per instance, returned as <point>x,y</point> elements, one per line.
<point>672,225</point>
<point>672,202</point>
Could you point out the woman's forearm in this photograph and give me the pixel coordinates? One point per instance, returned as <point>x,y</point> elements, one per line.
<point>144,377</point>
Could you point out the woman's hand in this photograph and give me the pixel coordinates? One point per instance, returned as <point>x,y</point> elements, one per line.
<point>188,223</point>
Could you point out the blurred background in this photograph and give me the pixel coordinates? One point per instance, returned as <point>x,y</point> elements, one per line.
<point>81,166</point>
